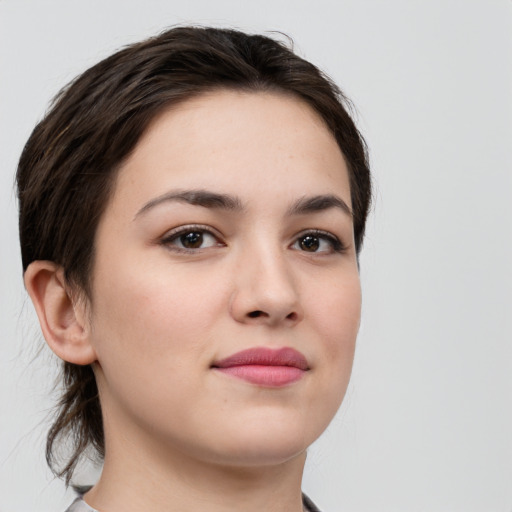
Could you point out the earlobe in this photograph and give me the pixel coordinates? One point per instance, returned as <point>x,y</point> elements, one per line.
<point>63,321</point>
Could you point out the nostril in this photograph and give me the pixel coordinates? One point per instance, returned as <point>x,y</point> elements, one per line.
<point>258,313</point>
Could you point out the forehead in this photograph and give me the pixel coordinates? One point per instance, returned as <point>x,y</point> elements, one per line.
<point>239,142</point>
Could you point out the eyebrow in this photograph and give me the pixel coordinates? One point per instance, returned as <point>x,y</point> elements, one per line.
<point>202,198</point>
<point>213,200</point>
<point>319,203</point>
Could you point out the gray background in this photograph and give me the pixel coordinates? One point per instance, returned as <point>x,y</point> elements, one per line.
<point>427,422</point>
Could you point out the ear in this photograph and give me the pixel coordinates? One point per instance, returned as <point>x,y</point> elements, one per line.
<point>63,320</point>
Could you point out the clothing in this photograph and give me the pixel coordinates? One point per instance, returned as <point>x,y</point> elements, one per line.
<point>309,506</point>
<point>79,505</point>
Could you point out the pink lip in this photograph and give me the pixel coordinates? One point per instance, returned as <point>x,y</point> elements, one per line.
<point>265,366</point>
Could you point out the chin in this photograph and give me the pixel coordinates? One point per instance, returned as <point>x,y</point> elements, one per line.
<point>267,442</point>
<point>260,454</point>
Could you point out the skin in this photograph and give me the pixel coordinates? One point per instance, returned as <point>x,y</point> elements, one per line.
<point>178,431</point>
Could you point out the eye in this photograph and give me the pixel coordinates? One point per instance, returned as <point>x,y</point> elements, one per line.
<point>317,241</point>
<point>190,238</point>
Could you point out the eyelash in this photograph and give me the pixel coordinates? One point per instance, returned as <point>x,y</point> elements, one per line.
<point>335,243</point>
<point>174,235</point>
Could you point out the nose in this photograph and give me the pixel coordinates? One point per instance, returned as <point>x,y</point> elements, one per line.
<point>265,290</point>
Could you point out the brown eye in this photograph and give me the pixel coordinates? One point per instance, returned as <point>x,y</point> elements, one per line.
<point>192,240</point>
<point>309,243</point>
<point>318,241</point>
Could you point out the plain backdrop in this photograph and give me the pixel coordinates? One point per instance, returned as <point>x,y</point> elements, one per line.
<point>427,421</point>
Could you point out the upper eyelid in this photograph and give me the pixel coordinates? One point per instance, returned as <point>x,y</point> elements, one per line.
<point>318,232</point>
<point>210,229</point>
<point>189,228</point>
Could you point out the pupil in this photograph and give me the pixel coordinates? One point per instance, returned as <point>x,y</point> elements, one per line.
<point>192,240</point>
<point>310,243</point>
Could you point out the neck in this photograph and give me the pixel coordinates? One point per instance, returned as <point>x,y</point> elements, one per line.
<point>136,480</point>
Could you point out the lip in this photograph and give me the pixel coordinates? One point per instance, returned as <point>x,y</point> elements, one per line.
<point>265,366</point>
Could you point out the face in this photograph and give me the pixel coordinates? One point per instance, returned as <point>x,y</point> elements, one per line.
<point>225,293</point>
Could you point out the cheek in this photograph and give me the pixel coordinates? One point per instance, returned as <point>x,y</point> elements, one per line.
<point>153,328</point>
<point>337,316</point>
<point>149,315</point>
<point>337,313</point>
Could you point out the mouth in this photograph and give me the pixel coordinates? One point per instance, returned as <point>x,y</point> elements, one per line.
<point>265,366</point>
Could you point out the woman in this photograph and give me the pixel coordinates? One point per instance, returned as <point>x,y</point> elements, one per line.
<point>191,213</point>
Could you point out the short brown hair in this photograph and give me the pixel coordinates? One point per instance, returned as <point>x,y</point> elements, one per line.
<point>68,166</point>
